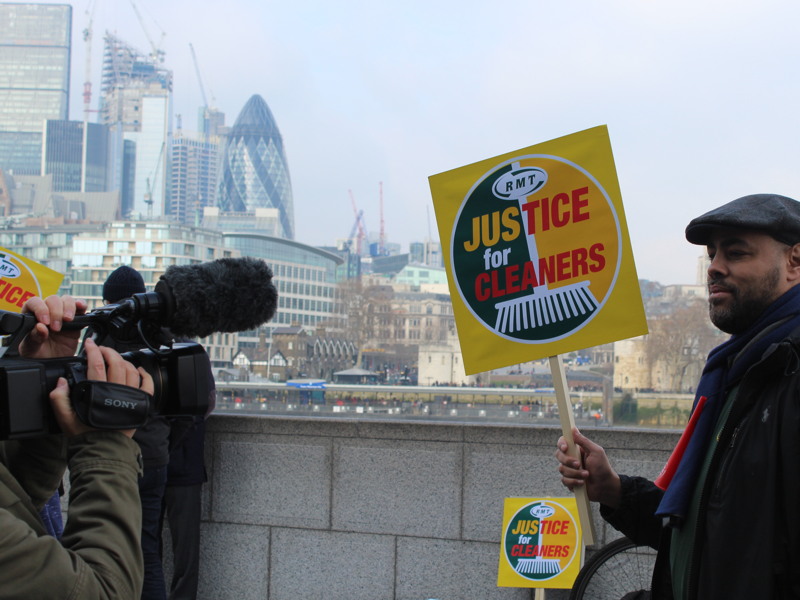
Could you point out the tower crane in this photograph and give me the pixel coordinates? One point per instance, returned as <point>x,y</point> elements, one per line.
<point>358,225</point>
<point>157,53</point>
<point>206,107</point>
<point>352,235</point>
<point>87,84</point>
<point>148,193</point>
<point>199,78</point>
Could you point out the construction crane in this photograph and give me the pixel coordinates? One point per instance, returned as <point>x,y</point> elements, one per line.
<point>199,78</point>
<point>148,193</point>
<point>157,53</point>
<point>87,83</point>
<point>352,235</point>
<point>358,225</point>
<point>206,107</point>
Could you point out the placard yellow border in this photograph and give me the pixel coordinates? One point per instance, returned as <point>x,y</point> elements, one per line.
<point>535,243</point>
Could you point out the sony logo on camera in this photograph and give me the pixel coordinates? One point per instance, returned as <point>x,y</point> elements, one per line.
<point>112,402</point>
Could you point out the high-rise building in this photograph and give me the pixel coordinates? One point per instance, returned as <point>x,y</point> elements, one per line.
<point>211,122</point>
<point>75,153</point>
<point>128,76</point>
<point>255,174</point>
<point>137,98</point>
<point>193,177</point>
<point>35,41</point>
<point>428,253</point>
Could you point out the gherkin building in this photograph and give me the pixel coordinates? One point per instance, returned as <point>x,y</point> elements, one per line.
<point>255,173</point>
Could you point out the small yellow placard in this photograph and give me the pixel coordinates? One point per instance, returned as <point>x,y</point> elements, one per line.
<point>22,278</point>
<point>537,252</point>
<point>541,544</point>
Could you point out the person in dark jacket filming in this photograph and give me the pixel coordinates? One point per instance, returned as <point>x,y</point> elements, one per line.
<point>723,514</point>
<point>99,555</point>
<point>153,439</point>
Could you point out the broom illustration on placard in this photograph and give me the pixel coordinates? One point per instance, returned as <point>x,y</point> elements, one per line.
<point>543,306</point>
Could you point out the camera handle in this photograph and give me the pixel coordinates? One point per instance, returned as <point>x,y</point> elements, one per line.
<point>17,326</point>
<point>112,321</point>
<point>106,405</point>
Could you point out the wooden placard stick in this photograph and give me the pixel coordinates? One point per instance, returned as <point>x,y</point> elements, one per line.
<point>567,423</point>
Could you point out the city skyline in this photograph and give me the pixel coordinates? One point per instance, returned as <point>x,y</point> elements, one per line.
<point>699,109</point>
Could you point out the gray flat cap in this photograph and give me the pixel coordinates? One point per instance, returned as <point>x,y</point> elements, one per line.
<point>775,215</point>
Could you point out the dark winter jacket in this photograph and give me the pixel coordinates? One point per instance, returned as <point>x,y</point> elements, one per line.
<point>747,542</point>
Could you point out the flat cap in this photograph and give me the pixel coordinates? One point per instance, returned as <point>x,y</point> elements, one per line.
<point>772,214</point>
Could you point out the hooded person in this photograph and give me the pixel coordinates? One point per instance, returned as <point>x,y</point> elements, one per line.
<point>153,440</point>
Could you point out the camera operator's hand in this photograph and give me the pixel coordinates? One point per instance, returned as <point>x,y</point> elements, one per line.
<point>102,364</point>
<point>47,339</point>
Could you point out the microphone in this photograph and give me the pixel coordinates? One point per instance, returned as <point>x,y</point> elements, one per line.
<point>224,295</point>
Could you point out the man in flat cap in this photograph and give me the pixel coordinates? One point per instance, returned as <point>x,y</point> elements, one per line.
<point>724,514</point>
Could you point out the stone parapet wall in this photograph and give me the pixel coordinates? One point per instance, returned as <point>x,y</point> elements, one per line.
<point>303,508</point>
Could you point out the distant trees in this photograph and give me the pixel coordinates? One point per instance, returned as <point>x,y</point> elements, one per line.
<point>389,323</point>
<point>678,344</point>
<point>365,312</point>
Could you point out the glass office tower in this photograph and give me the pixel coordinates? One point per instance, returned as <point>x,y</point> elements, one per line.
<point>76,155</point>
<point>255,174</point>
<point>193,176</point>
<point>34,79</point>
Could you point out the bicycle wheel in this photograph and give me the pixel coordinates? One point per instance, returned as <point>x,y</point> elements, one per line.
<point>618,568</point>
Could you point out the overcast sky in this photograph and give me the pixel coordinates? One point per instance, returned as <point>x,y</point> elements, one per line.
<point>700,98</point>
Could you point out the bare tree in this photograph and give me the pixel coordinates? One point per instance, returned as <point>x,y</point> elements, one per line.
<point>678,344</point>
<point>363,311</point>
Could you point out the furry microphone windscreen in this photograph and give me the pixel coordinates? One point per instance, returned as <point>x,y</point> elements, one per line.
<point>225,295</point>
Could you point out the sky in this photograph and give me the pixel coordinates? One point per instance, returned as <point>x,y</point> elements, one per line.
<point>700,98</point>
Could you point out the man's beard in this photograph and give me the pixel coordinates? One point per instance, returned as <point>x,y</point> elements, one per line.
<point>744,305</point>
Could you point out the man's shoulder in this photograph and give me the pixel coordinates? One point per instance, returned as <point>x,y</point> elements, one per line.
<point>780,360</point>
<point>790,344</point>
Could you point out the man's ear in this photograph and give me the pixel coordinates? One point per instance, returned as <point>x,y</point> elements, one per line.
<point>794,263</point>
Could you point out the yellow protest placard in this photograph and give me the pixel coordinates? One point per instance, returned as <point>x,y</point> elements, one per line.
<point>541,543</point>
<point>21,278</point>
<point>537,252</point>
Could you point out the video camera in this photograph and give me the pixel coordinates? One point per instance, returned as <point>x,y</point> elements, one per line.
<point>180,371</point>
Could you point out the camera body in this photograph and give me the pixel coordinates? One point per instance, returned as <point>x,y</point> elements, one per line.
<point>181,373</point>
